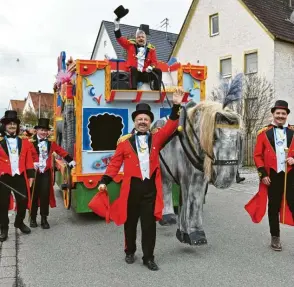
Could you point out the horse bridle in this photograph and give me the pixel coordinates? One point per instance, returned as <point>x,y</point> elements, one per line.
<point>199,162</point>
<point>211,157</point>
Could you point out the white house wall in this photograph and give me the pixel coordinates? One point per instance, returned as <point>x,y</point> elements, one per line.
<point>239,32</point>
<point>104,47</point>
<point>284,74</point>
<point>28,105</point>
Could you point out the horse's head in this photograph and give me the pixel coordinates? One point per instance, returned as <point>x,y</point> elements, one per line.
<point>218,132</point>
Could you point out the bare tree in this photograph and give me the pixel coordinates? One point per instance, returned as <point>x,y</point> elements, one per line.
<point>31,118</point>
<point>257,99</point>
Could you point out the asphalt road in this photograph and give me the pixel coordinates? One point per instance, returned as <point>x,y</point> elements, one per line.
<point>81,250</point>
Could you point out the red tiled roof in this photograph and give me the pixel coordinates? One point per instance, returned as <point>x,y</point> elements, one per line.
<point>46,100</point>
<point>17,105</point>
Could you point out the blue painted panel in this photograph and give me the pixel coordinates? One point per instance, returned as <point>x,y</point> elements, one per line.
<point>96,162</point>
<point>165,112</point>
<point>193,86</point>
<point>89,112</point>
<point>93,86</point>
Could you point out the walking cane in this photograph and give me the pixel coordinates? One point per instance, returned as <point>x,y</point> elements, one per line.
<point>33,192</point>
<point>285,182</point>
<point>13,189</point>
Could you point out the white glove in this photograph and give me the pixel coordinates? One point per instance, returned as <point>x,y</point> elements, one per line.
<point>149,69</point>
<point>36,165</point>
<point>102,187</point>
<point>72,163</point>
<point>116,24</point>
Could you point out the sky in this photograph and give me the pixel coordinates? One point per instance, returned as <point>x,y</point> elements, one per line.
<point>34,32</point>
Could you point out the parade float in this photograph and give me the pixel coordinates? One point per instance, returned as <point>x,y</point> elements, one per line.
<point>93,108</point>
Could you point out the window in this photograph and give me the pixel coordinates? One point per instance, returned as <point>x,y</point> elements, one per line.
<point>226,67</point>
<point>214,25</point>
<point>251,63</point>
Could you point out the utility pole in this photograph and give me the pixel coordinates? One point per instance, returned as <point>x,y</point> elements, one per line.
<point>39,103</point>
<point>165,23</point>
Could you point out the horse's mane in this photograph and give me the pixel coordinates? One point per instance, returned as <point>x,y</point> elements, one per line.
<point>208,112</point>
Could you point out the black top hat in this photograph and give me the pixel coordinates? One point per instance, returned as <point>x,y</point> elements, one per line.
<point>281,105</point>
<point>145,29</point>
<point>43,124</point>
<point>121,12</point>
<point>143,108</point>
<point>10,116</point>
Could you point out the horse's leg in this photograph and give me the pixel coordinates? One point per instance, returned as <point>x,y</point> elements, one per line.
<point>190,225</point>
<point>168,215</point>
<point>182,219</point>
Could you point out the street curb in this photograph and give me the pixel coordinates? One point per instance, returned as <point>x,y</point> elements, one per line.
<point>8,257</point>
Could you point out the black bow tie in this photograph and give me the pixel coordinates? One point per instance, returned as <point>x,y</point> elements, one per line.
<point>279,127</point>
<point>11,136</point>
<point>43,140</point>
<point>141,134</point>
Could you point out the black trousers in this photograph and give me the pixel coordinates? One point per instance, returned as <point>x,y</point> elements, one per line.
<point>41,194</point>
<point>141,203</point>
<point>137,76</point>
<point>17,182</point>
<point>275,196</point>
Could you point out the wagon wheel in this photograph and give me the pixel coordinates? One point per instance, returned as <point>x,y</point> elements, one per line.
<point>66,187</point>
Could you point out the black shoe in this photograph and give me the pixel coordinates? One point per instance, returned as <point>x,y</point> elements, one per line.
<point>4,234</point>
<point>44,223</point>
<point>23,228</point>
<point>240,179</point>
<point>33,223</point>
<point>130,258</point>
<point>151,265</point>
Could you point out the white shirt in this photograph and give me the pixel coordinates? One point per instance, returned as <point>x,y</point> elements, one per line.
<point>140,58</point>
<point>12,145</point>
<point>280,136</point>
<point>143,154</point>
<point>43,154</point>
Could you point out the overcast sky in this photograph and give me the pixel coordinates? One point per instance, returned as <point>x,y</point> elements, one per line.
<point>35,32</point>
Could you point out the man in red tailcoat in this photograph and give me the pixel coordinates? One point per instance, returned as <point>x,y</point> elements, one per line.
<point>271,159</point>
<point>43,192</point>
<point>141,191</point>
<point>16,171</point>
<point>141,57</point>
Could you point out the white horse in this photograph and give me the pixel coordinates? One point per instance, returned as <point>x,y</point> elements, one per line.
<point>205,149</point>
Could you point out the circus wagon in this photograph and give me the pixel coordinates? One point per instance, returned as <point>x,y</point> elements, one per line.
<point>93,109</point>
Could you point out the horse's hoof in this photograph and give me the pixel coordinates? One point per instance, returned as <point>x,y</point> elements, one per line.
<point>180,235</point>
<point>168,219</point>
<point>197,238</point>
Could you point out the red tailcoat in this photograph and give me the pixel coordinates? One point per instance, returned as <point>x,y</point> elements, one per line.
<point>52,147</point>
<point>265,159</point>
<point>126,154</point>
<point>25,166</point>
<point>131,49</point>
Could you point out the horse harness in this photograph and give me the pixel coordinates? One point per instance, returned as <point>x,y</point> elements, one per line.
<point>199,162</point>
